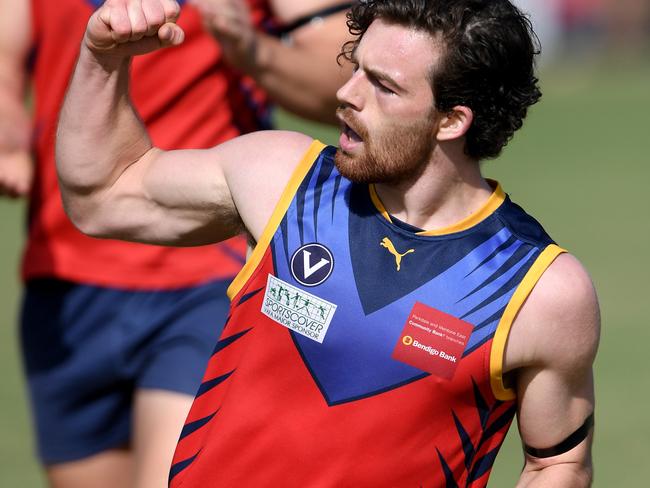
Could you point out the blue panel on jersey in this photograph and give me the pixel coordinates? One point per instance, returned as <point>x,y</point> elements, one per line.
<point>363,343</point>
<point>373,263</point>
<point>470,275</point>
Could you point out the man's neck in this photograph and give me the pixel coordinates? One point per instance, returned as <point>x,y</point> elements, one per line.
<point>448,190</point>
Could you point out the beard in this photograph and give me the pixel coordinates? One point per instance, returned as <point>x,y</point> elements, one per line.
<point>395,153</point>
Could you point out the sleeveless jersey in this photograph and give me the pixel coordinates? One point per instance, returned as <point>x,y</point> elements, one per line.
<point>361,354</point>
<point>187,97</point>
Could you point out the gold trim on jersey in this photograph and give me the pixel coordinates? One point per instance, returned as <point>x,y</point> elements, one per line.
<point>543,261</point>
<point>280,210</point>
<point>377,202</point>
<point>496,199</point>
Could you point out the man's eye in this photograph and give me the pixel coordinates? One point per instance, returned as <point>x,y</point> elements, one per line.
<point>382,88</point>
<point>385,89</point>
<point>377,83</point>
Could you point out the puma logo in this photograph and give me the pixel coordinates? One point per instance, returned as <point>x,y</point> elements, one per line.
<point>386,242</point>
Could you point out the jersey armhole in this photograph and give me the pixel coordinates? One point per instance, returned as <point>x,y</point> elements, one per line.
<point>280,210</point>
<point>543,261</point>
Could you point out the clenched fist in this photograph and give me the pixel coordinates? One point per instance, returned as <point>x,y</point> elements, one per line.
<point>131,27</point>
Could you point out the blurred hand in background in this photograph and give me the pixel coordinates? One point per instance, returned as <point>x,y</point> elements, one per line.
<point>230,22</point>
<point>16,164</point>
<point>16,173</point>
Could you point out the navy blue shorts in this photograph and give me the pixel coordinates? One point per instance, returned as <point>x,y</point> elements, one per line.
<point>86,349</point>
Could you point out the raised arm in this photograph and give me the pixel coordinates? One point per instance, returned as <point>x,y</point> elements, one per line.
<point>300,73</point>
<point>16,166</point>
<point>115,184</point>
<point>551,349</point>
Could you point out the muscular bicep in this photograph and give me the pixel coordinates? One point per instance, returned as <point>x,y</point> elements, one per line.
<point>168,198</point>
<point>552,347</point>
<point>196,197</point>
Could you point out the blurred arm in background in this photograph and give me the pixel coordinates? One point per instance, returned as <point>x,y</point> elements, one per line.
<point>296,70</point>
<point>16,166</point>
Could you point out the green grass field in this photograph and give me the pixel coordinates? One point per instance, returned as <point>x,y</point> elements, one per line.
<point>580,165</point>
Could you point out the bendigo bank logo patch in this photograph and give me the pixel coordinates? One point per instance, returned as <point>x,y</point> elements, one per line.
<point>312,264</point>
<point>432,341</point>
<point>302,312</point>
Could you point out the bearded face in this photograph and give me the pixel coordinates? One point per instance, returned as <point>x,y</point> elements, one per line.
<point>394,152</point>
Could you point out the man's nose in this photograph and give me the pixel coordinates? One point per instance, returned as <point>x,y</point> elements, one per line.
<point>350,94</point>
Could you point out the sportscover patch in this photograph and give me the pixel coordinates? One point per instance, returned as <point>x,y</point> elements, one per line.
<point>302,312</point>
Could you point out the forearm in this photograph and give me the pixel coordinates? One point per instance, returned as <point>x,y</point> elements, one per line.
<point>302,75</point>
<point>299,79</point>
<point>15,41</point>
<point>15,121</point>
<point>16,164</point>
<point>565,475</point>
<point>99,133</point>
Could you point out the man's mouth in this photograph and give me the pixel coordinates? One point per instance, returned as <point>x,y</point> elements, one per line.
<point>351,133</point>
<point>350,138</point>
<point>350,141</point>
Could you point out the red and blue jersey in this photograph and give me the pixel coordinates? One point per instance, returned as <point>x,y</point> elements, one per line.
<point>187,97</point>
<point>361,352</point>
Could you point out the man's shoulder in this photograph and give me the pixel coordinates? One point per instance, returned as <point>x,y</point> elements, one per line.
<point>279,147</point>
<point>270,155</point>
<point>259,166</point>
<point>559,324</point>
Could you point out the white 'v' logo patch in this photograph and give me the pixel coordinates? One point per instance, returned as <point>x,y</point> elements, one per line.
<point>315,266</point>
<point>307,267</point>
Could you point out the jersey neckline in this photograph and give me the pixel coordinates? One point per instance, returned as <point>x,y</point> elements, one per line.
<point>489,207</point>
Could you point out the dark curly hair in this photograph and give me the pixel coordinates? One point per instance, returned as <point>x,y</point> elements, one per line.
<point>487,63</point>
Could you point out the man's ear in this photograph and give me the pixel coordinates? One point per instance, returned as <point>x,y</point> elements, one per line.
<point>455,123</point>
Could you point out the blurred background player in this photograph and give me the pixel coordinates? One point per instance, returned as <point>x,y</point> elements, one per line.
<point>115,335</point>
<point>581,30</point>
